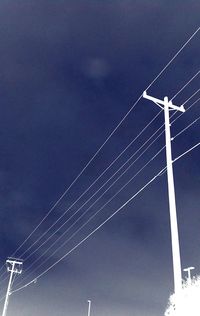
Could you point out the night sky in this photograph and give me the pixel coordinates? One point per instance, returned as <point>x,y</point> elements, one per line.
<point>69,72</point>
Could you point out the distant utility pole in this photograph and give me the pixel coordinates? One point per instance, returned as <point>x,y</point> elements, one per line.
<point>14,266</point>
<point>188,270</point>
<point>171,191</point>
<point>89,307</point>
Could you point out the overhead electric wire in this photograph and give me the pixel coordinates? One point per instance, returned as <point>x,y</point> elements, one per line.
<point>88,200</point>
<point>2,298</point>
<point>193,104</point>
<point>180,114</point>
<point>78,176</point>
<point>187,83</point>
<point>75,213</point>
<point>186,152</point>
<point>191,96</point>
<point>105,221</point>
<point>94,203</point>
<point>61,216</point>
<point>4,287</point>
<point>186,128</point>
<point>173,58</point>
<point>183,130</point>
<point>105,204</point>
<point>53,207</point>
<point>141,133</point>
<point>135,138</point>
<point>92,216</point>
<point>86,211</point>
<point>108,138</point>
<point>2,274</point>
<point>108,168</point>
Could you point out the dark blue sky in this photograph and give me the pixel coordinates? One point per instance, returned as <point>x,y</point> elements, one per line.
<point>69,72</point>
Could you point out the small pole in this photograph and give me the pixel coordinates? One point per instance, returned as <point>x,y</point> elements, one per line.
<point>13,267</point>
<point>188,270</point>
<point>89,307</point>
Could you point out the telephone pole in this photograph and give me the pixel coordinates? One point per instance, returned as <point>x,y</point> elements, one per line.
<point>167,106</point>
<point>89,307</point>
<point>14,266</point>
<point>188,270</point>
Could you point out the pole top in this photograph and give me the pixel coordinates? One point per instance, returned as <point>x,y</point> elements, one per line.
<point>189,268</point>
<point>14,264</point>
<point>161,103</point>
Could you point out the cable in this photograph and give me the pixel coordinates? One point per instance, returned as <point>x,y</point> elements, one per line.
<point>89,219</point>
<point>184,129</point>
<point>3,274</point>
<point>96,181</point>
<point>186,152</point>
<point>57,239</point>
<point>191,96</point>
<point>98,190</point>
<point>182,47</point>
<point>97,212</point>
<point>78,176</point>
<point>185,86</point>
<point>105,221</point>
<point>107,139</point>
<point>193,104</point>
<point>83,204</point>
<point>2,298</point>
<point>90,234</point>
<point>2,269</point>
<point>5,277</point>
<point>185,111</point>
<point>83,225</point>
<point>4,287</point>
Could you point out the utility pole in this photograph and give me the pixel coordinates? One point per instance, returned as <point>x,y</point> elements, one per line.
<point>89,307</point>
<point>14,266</point>
<point>188,270</point>
<point>167,105</point>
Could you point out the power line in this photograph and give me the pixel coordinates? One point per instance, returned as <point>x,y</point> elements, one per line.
<point>75,221</point>
<point>100,188</point>
<point>186,128</point>
<point>187,83</point>
<point>78,176</point>
<point>90,234</point>
<point>85,212</point>
<point>138,135</point>
<point>108,138</point>
<point>91,185</point>
<point>60,217</point>
<point>105,221</point>
<point>173,58</point>
<point>191,96</point>
<point>133,141</point>
<point>101,208</point>
<point>106,202</point>
<point>186,152</point>
<point>185,111</point>
<point>90,218</point>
